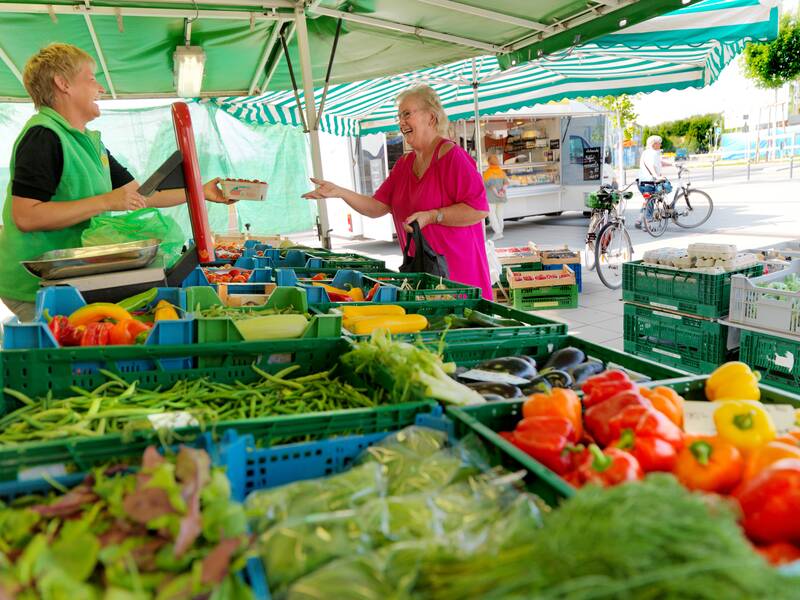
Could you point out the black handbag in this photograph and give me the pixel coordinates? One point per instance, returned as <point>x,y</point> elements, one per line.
<point>425,260</point>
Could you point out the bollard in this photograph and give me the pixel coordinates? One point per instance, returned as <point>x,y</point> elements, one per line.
<point>713,164</point>
<point>748,170</point>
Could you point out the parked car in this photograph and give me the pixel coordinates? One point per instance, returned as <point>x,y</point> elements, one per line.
<point>681,154</point>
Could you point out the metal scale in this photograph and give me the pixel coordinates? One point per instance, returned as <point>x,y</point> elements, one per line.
<point>112,272</point>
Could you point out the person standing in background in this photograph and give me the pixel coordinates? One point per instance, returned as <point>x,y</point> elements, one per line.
<point>496,182</point>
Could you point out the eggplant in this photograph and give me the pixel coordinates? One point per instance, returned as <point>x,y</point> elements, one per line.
<point>492,398</point>
<point>539,385</point>
<point>565,359</point>
<point>512,365</point>
<point>556,378</point>
<point>529,359</point>
<point>504,390</point>
<point>583,371</point>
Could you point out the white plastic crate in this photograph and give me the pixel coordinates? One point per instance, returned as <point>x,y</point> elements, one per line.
<point>766,308</point>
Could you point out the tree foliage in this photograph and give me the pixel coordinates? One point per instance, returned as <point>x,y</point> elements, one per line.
<point>692,133</point>
<point>622,108</point>
<point>777,62</point>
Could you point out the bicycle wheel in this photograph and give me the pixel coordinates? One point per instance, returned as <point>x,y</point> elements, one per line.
<point>692,209</point>
<point>656,223</point>
<point>596,222</point>
<point>612,249</point>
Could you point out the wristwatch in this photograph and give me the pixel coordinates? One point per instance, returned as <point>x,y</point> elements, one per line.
<point>439,216</point>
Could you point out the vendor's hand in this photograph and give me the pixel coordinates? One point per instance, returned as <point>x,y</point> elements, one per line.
<point>213,192</point>
<point>324,189</point>
<point>125,198</point>
<point>423,219</point>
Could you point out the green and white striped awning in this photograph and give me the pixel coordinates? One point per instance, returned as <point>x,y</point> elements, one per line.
<point>686,48</point>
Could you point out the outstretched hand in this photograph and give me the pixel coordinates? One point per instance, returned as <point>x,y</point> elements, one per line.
<point>324,189</point>
<point>213,192</point>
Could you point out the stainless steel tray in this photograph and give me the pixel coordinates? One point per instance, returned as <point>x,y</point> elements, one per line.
<point>78,262</point>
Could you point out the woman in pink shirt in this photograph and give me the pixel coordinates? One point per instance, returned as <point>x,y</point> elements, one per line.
<point>437,185</point>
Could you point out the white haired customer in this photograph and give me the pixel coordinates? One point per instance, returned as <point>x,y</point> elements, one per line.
<point>651,175</point>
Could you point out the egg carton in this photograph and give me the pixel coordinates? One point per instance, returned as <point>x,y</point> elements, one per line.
<point>724,252</point>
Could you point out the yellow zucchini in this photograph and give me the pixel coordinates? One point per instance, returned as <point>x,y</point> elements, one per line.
<point>392,323</point>
<point>372,310</point>
<point>272,327</point>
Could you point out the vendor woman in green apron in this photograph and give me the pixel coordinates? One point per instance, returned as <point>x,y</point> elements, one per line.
<point>61,174</point>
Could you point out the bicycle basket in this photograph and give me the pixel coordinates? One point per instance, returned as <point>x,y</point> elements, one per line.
<point>602,199</point>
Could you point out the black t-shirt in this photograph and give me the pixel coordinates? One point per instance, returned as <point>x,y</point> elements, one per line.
<point>39,163</point>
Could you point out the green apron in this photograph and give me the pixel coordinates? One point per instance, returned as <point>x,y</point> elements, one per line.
<point>86,173</point>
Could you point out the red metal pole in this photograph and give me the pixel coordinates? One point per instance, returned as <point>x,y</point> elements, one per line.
<point>194,183</point>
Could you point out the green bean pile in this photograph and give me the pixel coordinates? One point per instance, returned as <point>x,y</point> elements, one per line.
<point>118,406</point>
<point>236,313</point>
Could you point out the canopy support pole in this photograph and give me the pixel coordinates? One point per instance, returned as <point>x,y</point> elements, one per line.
<point>620,149</point>
<point>11,66</point>
<point>328,72</point>
<point>273,65</point>
<point>300,112</point>
<point>323,229</point>
<point>273,39</point>
<point>98,49</point>
<point>478,137</point>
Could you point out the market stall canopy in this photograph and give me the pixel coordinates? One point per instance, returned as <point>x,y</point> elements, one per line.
<point>133,41</point>
<point>686,48</point>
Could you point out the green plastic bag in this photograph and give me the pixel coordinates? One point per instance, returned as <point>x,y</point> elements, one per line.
<point>140,224</point>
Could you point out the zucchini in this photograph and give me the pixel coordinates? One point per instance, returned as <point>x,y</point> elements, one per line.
<point>565,359</point>
<point>504,390</point>
<point>372,310</point>
<point>272,327</point>
<point>510,364</point>
<point>483,320</point>
<point>391,323</point>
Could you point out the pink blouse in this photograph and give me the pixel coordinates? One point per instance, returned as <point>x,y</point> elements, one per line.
<point>449,180</point>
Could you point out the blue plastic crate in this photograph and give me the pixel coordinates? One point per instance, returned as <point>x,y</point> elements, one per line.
<point>344,279</point>
<point>64,300</point>
<point>254,285</point>
<point>243,262</point>
<point>576,267</point>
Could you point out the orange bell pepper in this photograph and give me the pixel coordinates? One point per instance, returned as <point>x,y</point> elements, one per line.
<point>764,456</point>
<point>665,400</point>
<point>710,464</point>
<point>560,402</point>
<point>128,332</point>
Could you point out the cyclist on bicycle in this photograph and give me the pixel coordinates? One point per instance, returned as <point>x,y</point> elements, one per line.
<point>651,178</point>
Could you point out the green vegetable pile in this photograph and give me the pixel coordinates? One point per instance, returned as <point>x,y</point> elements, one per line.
<point>118,406</point>
<point>170,531</point>
<point>416,371</point>
<point>790,283</point>
<point>239,313</point>
<point>409,492</point>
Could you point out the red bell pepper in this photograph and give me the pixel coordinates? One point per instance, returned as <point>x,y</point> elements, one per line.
<point>597,418</point>
<point>372,291</point>
<point>607,468</point>
<point>771,503</point>
<point>606,385</point>
<point>547,439</point>
<point>319,277</point>
<point>645,421</point>
<point>96,334</point>
<point>653,453</point>
<point>65,334</point>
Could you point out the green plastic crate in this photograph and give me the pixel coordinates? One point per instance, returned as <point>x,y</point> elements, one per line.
<point>424,287</point>
<point>356,262</point>
<point>223,329</point>
<point>520,268</point>
<point>545,298</point>
<point>776,357</point>
<point>487,420</point>
<point>689,343</point>
<point>700,294</point>
<point>533,325</point>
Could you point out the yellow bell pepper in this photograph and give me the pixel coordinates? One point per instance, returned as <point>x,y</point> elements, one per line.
<point>165,312</point>
<point>98,311</point>
<point>356,294</point>
<point>744,423</point>
<point>733,381</point>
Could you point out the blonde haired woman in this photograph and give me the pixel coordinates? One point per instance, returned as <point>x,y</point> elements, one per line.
<point>61,173</point>
<point>437,185</point>
<point>496,182</point>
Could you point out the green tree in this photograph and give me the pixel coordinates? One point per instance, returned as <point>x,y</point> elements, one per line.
<point>622,108</point>
<point>775,63</point>
<point>693,133</point>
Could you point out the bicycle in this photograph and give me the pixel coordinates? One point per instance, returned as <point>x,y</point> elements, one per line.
<point>608,244</point>
<point>689,208</point>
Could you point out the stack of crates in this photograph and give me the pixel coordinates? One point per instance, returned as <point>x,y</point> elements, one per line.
<point>543,290</point>
<point>767,311</point>
<point>553,260</point>
<point>673,316</point>
<point>520,259</point>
